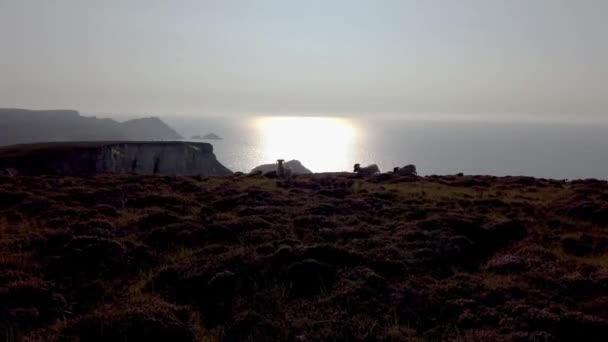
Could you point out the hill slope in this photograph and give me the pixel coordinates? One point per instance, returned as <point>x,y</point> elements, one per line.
<point>319,258</point>
<point>18,126</point>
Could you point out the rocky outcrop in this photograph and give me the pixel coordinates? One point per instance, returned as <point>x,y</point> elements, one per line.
<point>163,158</point>
<point>296,168</point>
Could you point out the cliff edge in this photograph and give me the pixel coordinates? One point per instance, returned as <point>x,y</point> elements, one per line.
<point>72,158</point>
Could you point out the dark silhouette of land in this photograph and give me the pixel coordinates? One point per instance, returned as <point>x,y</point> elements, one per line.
<point>317,257</point>
<point>19,126</point>
<point>94,157</point>
<point>211,136</point>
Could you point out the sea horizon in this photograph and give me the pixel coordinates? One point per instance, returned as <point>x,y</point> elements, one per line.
<point>556,149</point>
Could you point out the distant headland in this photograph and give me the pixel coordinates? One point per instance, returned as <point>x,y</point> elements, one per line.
<point>22,126</point>
<point>209,136</point>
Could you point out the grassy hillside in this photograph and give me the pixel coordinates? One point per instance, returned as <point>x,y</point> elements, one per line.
<point>316,258</point>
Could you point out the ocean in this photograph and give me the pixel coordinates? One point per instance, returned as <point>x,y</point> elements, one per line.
<point>324,144</point>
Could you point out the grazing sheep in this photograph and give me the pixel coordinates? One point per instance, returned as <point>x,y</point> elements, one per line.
<point>407,170</point>
<point>366,171</point>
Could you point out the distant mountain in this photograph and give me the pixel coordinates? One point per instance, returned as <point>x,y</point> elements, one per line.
<point>210,136</point>
<point>18,126</point>
<point>148,129</point>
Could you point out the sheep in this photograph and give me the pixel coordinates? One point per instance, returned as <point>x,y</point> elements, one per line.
<point>296,168</point>
<point>282,170</point>
<point>407,170</point>
<point>366,171</point>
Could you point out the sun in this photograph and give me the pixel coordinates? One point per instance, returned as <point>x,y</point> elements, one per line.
<point>320,143</point>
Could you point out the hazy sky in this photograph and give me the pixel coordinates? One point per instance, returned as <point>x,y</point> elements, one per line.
<point>525,57</point>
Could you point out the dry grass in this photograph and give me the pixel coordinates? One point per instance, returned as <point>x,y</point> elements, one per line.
<point>313,258</point>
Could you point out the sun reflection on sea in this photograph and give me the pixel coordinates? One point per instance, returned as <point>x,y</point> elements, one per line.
<point>320,143</point>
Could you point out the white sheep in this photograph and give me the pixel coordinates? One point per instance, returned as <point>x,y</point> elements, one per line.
<point>407,170</point>
<point>366,171</point>
<point>282,170</point>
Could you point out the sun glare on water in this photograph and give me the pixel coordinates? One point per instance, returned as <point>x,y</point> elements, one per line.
<point>320,143</point>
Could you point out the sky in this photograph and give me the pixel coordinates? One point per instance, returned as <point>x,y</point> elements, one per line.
<point>546,58</point>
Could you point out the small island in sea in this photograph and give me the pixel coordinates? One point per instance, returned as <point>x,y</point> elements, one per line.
<point>210,136</point>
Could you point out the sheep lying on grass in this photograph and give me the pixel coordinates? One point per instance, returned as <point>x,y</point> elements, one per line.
<point>367,170</point>
<point>407,170</point>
